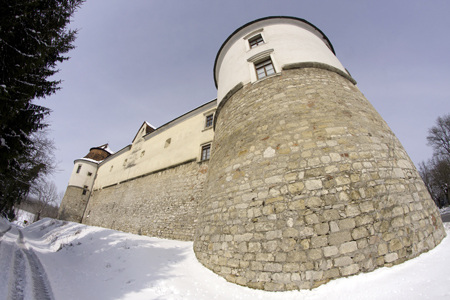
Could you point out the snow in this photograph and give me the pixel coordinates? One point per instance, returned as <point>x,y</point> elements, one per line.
<point>91,160</point>
<point>83,262</point>
<point>23,218</point>
<point>445,210</point>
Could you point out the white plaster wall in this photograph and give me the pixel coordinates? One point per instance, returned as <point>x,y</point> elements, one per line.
<point>186,135</point>
<point>292,41</point>
<point>82,179</point>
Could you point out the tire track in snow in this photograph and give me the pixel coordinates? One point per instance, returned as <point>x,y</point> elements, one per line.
<point>40,283</point>
<point>17,277</point>
<point>17,273</point>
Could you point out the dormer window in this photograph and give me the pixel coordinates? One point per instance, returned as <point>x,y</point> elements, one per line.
<point>264,68</point>
<point>255,41</point>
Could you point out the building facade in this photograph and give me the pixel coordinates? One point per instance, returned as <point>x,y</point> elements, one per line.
<point>286,181</point>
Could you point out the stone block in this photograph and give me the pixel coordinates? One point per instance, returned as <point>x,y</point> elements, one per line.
<point>338,238</point>
<point>330,251</point>
<point>346,224</point>
<point>319,241</point>
<point>343,261</point>
<point>321,228</point>
<point>314,254</point>
<point>395,245</point>
<point>359,232</point>
<point>349,270</point>
<point>348,247</point>
<point>273,267</point>
<point>313,184</point>
<point>391,257</point>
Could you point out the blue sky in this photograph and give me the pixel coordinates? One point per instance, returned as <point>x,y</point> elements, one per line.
<point>152,61</point>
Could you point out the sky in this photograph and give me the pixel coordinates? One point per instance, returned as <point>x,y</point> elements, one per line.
<point>153,61</point>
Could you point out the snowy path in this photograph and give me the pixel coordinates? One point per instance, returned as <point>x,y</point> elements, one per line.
<point>25,268</point>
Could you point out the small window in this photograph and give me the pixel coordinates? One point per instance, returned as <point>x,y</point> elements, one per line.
<point>264,68</point>
<point>255,41</point>
<point>78,169</point>
<point>85,189</point>
<point>206,152</point>
<point>110,169</point>
<point>209,120</point>
<point>89,174</point>
<point>168,141</point>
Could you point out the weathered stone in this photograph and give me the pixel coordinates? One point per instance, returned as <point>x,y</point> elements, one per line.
<point>349,270</point>
<point>338,238</point>
<point>360,232</point>
<point>301,188</point>
<point>391,257</point>
<point>343,261</point>
<point>330,251</point>
<point>348,247</point>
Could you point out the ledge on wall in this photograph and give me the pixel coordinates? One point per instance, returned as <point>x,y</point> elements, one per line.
<point>318,65</point>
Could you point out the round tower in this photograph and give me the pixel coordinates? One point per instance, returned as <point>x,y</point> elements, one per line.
<point>80,185</point>
<point>306,181</point>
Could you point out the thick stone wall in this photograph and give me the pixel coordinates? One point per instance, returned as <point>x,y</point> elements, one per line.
<point>162,204</point>
<point>307,183</point>
<point>73,204</point>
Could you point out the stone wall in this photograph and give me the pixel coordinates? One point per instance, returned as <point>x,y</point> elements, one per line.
<point>307,183</point>
<point>162,204</point>
<point>73,204</point>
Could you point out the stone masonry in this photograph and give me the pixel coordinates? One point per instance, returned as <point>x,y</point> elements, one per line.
<point>72,208</point>
<point>162,204</point>
<point>307,183</point>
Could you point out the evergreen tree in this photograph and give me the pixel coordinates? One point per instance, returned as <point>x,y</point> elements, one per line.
<point>33,39</point>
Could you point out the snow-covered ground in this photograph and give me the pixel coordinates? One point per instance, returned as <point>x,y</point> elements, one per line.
<point>74,261</point>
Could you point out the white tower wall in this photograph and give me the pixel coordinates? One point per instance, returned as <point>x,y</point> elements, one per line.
<point>283,43</point>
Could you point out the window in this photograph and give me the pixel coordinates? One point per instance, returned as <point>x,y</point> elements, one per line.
<point>264,68</point>
<point>168,141</point>
<point>206,152</point>
<point>78,169</point>
<point>209,120</point>
<point>85,189</point>
<point>89,174</point>
<point>255,41</point>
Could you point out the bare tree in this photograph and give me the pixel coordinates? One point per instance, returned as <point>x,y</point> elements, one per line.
<point>46,195</point>
<point>436,172</point>
<point>439,136</point>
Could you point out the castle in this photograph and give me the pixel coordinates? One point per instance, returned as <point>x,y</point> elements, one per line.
<point>286,181</point>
